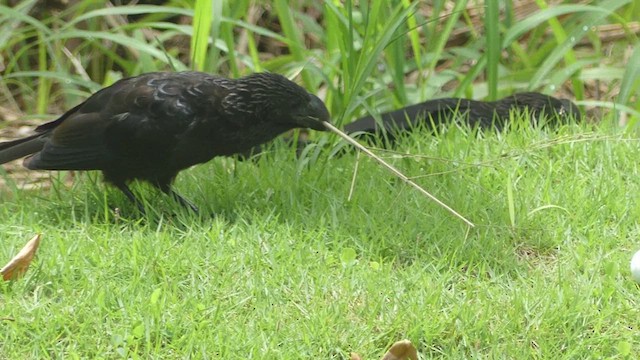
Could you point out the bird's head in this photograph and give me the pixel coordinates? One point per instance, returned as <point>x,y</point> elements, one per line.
<point>275,99</point>
<point>311,113</point>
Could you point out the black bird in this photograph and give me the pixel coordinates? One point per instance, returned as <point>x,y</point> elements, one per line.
<point>152,126</point>
<point>484,114</point>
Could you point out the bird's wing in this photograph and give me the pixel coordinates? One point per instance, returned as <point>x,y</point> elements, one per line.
<point>76,144</point>
<point>133,122</point>
<point>165,114</point>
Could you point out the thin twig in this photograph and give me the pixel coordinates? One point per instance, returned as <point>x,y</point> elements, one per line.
<point>395,171</point>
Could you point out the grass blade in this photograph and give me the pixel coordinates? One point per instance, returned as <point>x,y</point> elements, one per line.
<point>201,30</point>
<point>492,29</point>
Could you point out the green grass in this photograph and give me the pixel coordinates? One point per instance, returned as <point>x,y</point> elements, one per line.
<point>288,268</point>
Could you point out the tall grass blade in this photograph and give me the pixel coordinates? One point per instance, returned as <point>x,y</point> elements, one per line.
<point>203,15</point>
<point>296,41</point>
<point>492,34</point>
<point>631,78</point>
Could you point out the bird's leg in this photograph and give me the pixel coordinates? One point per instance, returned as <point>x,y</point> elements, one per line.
<point>184,202</point>
<point>125,189</point>
<point>177,197</point>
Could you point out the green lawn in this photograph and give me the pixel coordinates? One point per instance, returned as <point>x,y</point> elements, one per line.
<point>290,268</point>
<point>282,263</point>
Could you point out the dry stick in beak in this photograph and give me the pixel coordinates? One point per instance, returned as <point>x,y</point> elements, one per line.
<point>395,171</point>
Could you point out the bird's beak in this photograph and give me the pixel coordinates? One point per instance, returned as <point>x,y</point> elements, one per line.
<point>314,115</point>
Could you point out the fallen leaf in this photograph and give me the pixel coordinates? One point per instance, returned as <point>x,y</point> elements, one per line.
<point>401,350</point>
<point>19,264</point>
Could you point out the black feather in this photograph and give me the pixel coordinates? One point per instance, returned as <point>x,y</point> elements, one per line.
<point>16,149</point>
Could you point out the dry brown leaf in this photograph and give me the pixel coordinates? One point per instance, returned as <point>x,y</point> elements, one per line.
<point>19,264</point>
<point>401,350</point>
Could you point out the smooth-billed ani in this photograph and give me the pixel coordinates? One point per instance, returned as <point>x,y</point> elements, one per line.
<point>483,114</point>
<point>152,126</point>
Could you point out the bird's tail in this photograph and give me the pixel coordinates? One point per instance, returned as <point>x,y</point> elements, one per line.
<point>15,149</point>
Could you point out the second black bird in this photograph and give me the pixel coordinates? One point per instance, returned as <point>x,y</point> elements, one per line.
<point>152,126</point>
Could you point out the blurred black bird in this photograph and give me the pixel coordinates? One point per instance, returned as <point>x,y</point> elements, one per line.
<point>483,114</point>
<point>152,126</point>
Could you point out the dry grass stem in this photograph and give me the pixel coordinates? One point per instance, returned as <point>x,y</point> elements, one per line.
<point>396,172</point>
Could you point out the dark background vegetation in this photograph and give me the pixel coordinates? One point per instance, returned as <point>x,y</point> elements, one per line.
<point>360,56</point>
